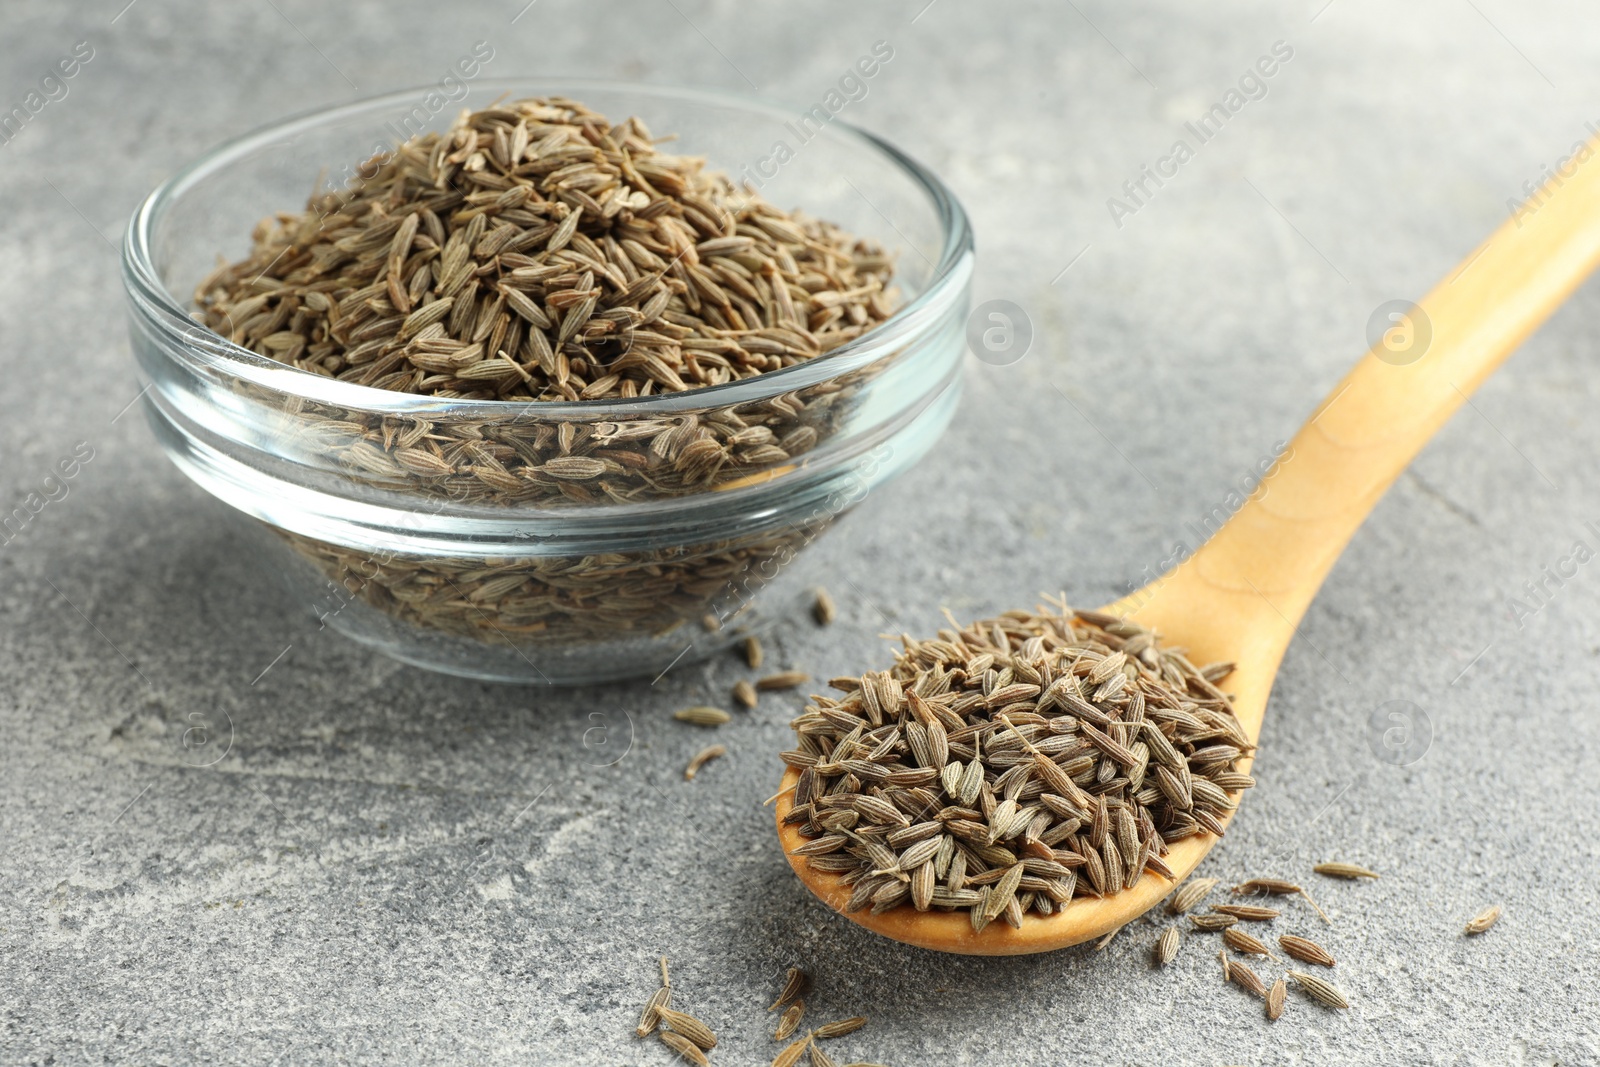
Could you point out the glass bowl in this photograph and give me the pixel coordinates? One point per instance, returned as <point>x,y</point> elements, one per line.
<point>494,563</point>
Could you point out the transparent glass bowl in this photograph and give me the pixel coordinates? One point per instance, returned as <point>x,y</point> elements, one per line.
<point>477,567</point>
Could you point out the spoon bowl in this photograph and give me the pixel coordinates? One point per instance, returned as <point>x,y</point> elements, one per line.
<point>1241,596</point>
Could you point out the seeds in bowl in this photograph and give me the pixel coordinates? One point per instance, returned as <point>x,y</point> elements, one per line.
<point>537,251</point>
<point>1010,766</point>
<point>534,252</point>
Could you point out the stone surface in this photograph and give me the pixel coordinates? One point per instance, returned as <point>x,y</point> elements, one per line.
<point>390,866</point>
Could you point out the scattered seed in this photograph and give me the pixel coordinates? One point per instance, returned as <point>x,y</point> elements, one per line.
<point>1190,893</point>
<point>683,1047</point>
<point>1278,887</point>
<point>791,1055</point>
<point>703,757</point>
<point>1304,950</point>
<point>1275,886</point>
<point>1320,989</point>
<point>1344,870</point>
<point>1240,941</point>
<point>795,984</point>
<point>1212,923</point>
<point>651,1016</point>
<point>702,716</point>
<point>744,694</point>
<point>1167,946</point>
<point>709,621</point>
<point>689,1027</point>
<point>1247,912</point>
<point>783,680</point>
<point>1484,919</point>
<point>752,652</point>
<point>1099,946</point>
<point>824,610</point>
<point>840,1028</point>
<point>1275,998</point>
<point>820,1058</point>
<point>1245,978</point>
<point>1227,968</point>
<point>790,1021</point>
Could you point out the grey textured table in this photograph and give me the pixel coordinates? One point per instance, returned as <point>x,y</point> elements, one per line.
<point>390,866</point>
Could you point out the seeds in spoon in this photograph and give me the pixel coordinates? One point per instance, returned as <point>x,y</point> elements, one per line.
<point>783,680</point>
<point>1306,951</point>
<point>1484,919</point>
<point>701,758</point>
<point>824,610</point>
<point>1247,912</point>
<point>1190,893</point>
<point>1240,941</point>
<point>1027,741</point>
<point>1275,998</point>
<point>700,715</point>
<point>744,694</point>
<point>840,1028</point>
<point>1319,989</point>
<point>1167,946</point>
<point>684,1047</point>
<point>1344,870</point>
<point>789,1022</point>
<point>795,983</point>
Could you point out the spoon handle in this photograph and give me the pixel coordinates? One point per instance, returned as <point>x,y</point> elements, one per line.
<point>1284,540</point>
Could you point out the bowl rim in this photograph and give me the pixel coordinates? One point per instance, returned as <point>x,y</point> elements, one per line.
<point>212,352</point>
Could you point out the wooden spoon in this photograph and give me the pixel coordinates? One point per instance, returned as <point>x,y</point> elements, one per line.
<point>1241,596</point>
